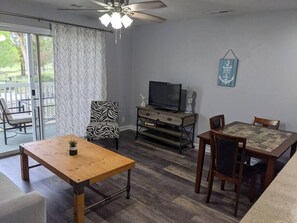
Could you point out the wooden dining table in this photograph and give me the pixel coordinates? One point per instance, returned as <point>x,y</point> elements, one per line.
<point>262,143</point>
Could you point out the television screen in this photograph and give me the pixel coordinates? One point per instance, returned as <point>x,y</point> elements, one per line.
<point>165,95</point>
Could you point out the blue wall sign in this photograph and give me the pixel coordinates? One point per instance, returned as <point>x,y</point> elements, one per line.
<point>227,72</point>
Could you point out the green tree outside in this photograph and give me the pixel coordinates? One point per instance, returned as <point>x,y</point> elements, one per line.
<point>13,57</point>
<point>8,52</point>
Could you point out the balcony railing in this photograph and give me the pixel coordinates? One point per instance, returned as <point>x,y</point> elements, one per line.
<point>19,93</point>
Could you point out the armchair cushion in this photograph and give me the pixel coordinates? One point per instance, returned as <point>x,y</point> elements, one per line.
<point>104,111</point>
<point>101,130</point>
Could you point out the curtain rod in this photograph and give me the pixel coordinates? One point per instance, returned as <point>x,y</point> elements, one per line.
<point>50,20</point>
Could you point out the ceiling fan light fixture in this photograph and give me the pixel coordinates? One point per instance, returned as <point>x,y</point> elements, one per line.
<point>105,19</point>
<point>126,20</point>
<point>116,21</point>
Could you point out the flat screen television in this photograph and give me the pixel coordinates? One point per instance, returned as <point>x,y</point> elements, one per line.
<point>165,95</point>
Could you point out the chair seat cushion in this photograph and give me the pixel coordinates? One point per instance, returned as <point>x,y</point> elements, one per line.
<point>101,130</point>
<point>20,118</point>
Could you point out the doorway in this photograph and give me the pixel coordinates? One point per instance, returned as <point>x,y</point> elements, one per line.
<point>27,83</point>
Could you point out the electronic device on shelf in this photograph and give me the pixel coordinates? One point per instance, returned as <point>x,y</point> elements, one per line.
<point>150,124</point>
<point>164,95</point>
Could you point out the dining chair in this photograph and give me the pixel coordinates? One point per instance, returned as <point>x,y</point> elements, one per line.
<point>266,123</point>
<point>225,165</point>
<point>19,119</point>
<point>104,121</point>
<point>217,121</point>
<point>262,165</point>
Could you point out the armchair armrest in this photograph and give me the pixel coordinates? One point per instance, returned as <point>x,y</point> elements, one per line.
<point>26,208</point>
<point>20,107</point>
<point>12,113</point>
<point>17,107</point>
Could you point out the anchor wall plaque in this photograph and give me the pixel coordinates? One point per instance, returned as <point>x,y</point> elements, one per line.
<point>228,71</point>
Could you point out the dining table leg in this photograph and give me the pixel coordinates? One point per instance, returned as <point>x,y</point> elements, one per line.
<point>270,171</point>
<point>293,149</point>
<point>200,160</point>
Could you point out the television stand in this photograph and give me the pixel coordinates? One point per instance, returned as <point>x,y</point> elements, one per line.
<point>174,128</point>
<point>163,109</point>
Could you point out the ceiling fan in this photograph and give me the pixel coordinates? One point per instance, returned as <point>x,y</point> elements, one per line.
<point>118,13</point>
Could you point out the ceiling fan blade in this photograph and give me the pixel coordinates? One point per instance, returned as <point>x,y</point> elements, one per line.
<point>103,10</point>
<point>100,3</point>
<point>143,16</point>
<point>145,6</point>
<point>98,10</point>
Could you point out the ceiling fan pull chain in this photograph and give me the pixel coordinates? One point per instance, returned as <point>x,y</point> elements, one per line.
<point>116,37</point>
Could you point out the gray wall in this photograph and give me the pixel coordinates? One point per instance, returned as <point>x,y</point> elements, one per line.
<point>119,73</point>
<point>188,52</point>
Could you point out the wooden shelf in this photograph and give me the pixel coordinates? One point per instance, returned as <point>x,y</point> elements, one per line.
<point>164,130</point>
<point>167,140</point>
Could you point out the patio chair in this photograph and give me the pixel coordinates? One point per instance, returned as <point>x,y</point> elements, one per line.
<point>14,120</point>
<point>104,121</point>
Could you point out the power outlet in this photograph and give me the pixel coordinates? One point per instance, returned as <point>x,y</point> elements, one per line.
<point>123,119</point>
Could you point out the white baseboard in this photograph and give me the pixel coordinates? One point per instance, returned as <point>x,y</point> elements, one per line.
<point>207,148</point>
<point>127,127</point>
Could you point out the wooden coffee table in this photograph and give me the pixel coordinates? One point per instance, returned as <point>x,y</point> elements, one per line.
<point>92,164</point>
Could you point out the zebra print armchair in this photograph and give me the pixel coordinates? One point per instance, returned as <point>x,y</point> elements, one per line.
<point>104,121</point>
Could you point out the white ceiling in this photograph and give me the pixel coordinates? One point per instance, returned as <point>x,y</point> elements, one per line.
<point>186,9</point>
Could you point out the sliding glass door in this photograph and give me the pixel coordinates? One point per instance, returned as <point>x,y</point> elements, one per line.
<point>27,82</point>
<point>44,101</point>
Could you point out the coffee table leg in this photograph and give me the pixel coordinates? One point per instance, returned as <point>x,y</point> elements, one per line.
<point>128,184</point>
<point>270,171</point>
<point>200,161</point>
<point>79,204</point>
<point>24,165</point>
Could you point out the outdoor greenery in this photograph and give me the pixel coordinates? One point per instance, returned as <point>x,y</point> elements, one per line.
<point>13,64</point>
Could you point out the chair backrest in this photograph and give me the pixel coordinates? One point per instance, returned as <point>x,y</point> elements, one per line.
<point>217,121</point>
<point>104,111</point>
<point>4,109</point>
<point>227,154</point>
<point>266,123</point>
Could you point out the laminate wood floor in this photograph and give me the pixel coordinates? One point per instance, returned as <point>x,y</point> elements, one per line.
<point>162,188</point>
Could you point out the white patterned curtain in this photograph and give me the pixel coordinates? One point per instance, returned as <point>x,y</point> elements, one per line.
<point>80,75</point>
